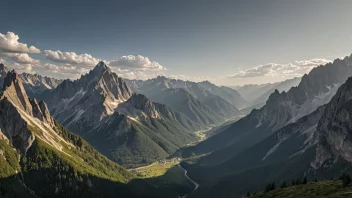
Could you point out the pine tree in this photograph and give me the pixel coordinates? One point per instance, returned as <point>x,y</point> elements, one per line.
<point>315,180</point>
<point>248,194</point>
<point>272,187</point>
<point>267,188</point>
<point>293,182</point>
<point>304,180</point>
<point>298,182</point>
<point>347,180</point>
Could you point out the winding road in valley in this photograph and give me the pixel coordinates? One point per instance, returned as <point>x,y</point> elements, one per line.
<point>191,180</point>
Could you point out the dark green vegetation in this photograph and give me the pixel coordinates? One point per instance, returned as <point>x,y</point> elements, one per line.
<point>328,189</point>
<point>173,181</point>
<point>79,172</point>
<point>10,185</point>
<point>144,142</point>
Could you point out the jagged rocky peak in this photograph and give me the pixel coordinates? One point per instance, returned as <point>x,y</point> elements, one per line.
<point>3,68</point>
<point>100,68</point>
<point>141,102</point>
<point>14,92</point>
<point>19,112</point>
<point>335,129</point>
<point>275,97</point>
<point>38,82</point>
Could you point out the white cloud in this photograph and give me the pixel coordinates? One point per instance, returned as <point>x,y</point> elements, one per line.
<point>21,67</point>
<point>71,58</point>
<point>9,43</point>
<point>59,71</point>
<point>136,62</point>
<point>136,67</point>
<point>298,68</point>
<point>20,58</point>
<point>136,74</point>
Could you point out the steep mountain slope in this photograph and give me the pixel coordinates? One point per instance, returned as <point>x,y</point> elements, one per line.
<point>141,132</point>
<point>81,104</point>
<point>126,127</point>
<point>257,95</point>
<point>155,88</point>
<point>228,94</point>
<point>3,73</point>
<point>276,158</point>
<point>281,109</point>
<point>316,146</point>
<point>334,128</point>
<point>52,162</point>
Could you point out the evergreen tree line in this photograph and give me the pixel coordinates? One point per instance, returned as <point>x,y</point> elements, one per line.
<point>345,178</point>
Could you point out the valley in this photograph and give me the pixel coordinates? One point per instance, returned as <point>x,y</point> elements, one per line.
<point>176,99</point>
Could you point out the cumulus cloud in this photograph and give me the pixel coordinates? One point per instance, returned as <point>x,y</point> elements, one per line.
<point>9,43</point>
<point>136,67</point>
<point>298,68</point>
<point>136,62</point>
<point>137,74</point>
<point>20,58</point>
<point>27,68</point>
<point>71,58</point>
<point>59,71</point>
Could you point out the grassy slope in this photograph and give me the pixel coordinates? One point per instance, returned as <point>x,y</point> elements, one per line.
<point>145,143</point>
<point>79,172</point>
<point>328,189</point>
<point>10,186</point>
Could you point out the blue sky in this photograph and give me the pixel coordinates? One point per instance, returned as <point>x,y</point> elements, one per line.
<point>222,41</point>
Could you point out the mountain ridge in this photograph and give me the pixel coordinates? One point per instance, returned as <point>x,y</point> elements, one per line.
<point>62,163</point>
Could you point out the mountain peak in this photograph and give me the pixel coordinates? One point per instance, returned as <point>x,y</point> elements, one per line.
<point>100,68</point>
<point>11,76</point>
<point>2,67</point>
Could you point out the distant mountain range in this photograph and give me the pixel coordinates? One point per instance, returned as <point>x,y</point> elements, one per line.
<point>257,95</point>
<point>196,100</point>
<point>302,132</point>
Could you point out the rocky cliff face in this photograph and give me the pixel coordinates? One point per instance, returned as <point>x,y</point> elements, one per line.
<point>80,104</point>
<point>18,112</point>
<point>3,73</point>
<point>335,129</point>
<point>315,89</point>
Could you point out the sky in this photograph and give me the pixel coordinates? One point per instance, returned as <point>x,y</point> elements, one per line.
<point>228,42</point>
